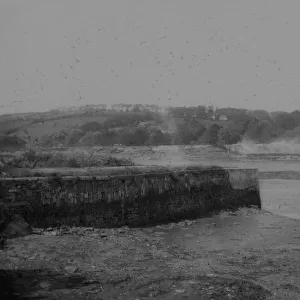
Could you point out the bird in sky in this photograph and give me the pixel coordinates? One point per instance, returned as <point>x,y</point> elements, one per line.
<point>162,38</point>
<point>103,28</point>
<point>41,73</point>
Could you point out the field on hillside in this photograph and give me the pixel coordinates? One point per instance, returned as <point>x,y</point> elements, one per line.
<point>53,126</point>
<point>31,128</point>
<point>41,124</point>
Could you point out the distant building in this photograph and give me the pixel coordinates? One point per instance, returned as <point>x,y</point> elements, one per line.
<point>223,118</point>
<point>150,107</point>
<point>101,106</point>
<point>119,107</point>
<point>137,107</point>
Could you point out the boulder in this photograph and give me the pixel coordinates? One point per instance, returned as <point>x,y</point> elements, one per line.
<point>14,226</point>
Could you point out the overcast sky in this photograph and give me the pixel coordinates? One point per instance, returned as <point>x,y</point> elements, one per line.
<point>228,53</point>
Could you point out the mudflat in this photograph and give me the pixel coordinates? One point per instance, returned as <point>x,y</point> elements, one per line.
<point>247,254</point>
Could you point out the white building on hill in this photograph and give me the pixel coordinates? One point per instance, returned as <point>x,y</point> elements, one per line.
<point>223,118</point>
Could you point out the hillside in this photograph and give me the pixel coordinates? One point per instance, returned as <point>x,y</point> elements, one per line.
<point>90,126</point>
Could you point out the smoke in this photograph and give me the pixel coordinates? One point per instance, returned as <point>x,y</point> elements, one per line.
<point>168,121</point>
<point>280,146</point>
<point>173,154</point>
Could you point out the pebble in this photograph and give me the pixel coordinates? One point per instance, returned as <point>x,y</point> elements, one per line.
<point>189,223</point>
<point>91,281</point>
<point>179,291</point>
<point>189,235</point>
<point>71,269</point>
<point>88,229</point>
<point>45,285</point>
<point>192,282</point>
<point>34,257</point>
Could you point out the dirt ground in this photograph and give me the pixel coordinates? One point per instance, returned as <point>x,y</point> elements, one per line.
<point>248,254</point>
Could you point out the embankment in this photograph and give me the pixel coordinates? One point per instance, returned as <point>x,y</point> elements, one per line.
<point>132,196</point>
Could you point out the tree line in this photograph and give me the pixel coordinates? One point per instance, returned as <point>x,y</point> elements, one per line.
<point>181,125</point>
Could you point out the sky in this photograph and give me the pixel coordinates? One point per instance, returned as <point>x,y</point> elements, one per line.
<point>233,53</point>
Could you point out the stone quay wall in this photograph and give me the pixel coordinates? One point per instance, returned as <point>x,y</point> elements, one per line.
<point>120,197</point>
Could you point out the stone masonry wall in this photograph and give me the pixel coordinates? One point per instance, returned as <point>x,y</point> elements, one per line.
<point>134,200</point>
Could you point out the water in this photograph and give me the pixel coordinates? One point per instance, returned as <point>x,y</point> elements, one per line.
<point>279,196</point>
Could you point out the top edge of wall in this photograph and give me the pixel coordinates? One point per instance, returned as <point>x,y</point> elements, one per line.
<point>102,175</point>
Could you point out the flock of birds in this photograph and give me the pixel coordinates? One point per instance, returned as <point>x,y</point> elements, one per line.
<point>191,61</point>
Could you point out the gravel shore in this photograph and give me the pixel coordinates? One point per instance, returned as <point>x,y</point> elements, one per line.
<point>247,254</point>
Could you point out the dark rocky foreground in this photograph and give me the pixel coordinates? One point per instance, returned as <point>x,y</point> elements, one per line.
<point>248,254</point>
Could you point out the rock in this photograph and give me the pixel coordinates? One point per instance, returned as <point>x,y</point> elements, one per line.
<point>95,292</point>
<point>71,269</point>
<point>2,242</point>
<point>45,285</point>
<point>94,235</point>
<point>88,229</point>
<point>159,233</point>
<point>90,281</point>
<point>37,231</point>
<point>65,227</point>
<point>179,291</point>
<point>188,222</point>
<point>181,223</point>
<point>33,257</point>
<point>78,230</point>
<point>15,226</point>
<point>192,282</point>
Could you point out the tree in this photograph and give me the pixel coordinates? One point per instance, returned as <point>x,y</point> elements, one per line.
<point>91,126</point>
<point>90,139</point>
<point>262,115</point>
<point>296,116</point>
<point>74,136</point>
<point>235,115</point>
<point>293,134</point>
<point>11,141</point>
<point>189,131</point>
<point>260,131</point>
<point>46,140</point>
<point>285,121</point>
<point>157,137</point>
<point>211,135</point>
<point>230,135</point>
<point>200,112</point>
<point>137,108</point>
<point>134,136</point>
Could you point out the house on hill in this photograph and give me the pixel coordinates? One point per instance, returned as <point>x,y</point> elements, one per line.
<point>101,106</point>
<point>223,118</point>
<point>121,107</point>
